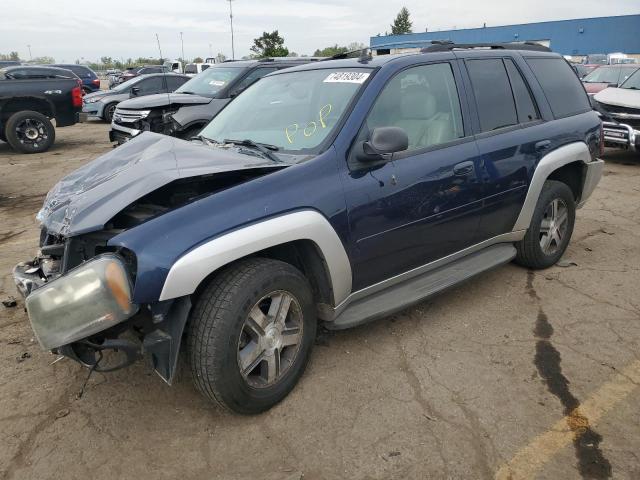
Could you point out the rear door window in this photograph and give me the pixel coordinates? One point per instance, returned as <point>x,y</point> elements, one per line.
<point>564,92</point>
<point>151,85</point>
<point>525,104</point>
<point>492,90</point>
<point>175,82</point>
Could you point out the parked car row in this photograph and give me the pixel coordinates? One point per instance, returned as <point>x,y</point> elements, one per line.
<point>337,191</point>
<point>103,104</point>
<point>186,111</point>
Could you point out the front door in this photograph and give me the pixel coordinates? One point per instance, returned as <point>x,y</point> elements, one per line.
<point>423,203</point>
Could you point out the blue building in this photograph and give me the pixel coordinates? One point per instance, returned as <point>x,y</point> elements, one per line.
<point>568,37</point>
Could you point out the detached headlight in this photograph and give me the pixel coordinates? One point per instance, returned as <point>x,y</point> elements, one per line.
<point>85,301</point>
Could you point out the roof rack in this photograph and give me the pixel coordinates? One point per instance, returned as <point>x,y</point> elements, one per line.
<point>447,45</point>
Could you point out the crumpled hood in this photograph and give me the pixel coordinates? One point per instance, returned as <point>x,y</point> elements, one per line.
<point>620,97</point>
<point>162,100</point>
<point>88,198</point>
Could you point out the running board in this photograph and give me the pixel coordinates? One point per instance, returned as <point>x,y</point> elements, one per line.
<point>416,289</point>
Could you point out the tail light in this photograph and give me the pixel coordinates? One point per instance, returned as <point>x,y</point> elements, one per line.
<point>76,96</point>
<point>96,82</point>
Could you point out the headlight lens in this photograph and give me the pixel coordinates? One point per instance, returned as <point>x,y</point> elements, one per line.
<point>93,99</point>
<point>85,301</point>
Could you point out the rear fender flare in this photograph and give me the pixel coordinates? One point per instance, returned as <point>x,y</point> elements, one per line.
<point>564,155</point>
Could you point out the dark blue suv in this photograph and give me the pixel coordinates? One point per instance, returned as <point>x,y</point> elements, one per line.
<point>339,191</point>
<point>90,80</point>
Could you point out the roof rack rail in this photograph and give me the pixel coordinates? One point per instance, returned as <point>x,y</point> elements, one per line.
<point>446,45</point>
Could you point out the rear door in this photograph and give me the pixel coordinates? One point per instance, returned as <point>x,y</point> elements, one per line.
<point>510,137</point>
<point>424,203</point>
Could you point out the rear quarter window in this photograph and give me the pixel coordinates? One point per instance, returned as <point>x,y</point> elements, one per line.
<point>561,86</point>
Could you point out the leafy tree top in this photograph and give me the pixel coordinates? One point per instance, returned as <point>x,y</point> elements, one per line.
<point>402,24</point>
<point>269,45</point>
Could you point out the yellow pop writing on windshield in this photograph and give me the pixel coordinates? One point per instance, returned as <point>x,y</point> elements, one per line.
<point>311,127</point>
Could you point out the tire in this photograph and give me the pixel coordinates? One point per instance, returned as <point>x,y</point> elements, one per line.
<point>108,111</point>
<point>22,126</point>
<point>546,240</point>
<point>221,335</point>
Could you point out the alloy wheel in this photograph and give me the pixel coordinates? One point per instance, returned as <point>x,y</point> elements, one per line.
<point>31,132</point>
<point>270,339</point>
<point>553,227</point>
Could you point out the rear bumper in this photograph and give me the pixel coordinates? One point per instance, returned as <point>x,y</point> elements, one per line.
<point>620,135</point>
<point>591,180</point>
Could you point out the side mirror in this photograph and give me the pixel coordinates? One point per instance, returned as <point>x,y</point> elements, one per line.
<point>135,91</point>
<point>385,141</point>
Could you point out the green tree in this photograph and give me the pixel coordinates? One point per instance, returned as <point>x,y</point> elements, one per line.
<point>402,23</point>
<point>330,51</point>
<point>43,60</point>
<point>198,60</point>
<point>269,45</point>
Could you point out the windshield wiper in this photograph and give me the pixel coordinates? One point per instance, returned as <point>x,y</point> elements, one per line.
<point>264,148</point>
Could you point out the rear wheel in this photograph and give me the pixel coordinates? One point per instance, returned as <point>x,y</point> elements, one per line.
<point>30,132</point>
<point>250,334</point>
<point>551,227</point>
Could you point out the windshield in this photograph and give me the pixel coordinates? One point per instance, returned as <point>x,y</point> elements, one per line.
<point>211,81</point>
<point>603,75</point>
<point>126,85</point>
<point>191,68</point>
<point>293,111</point>
<point>633,82</point>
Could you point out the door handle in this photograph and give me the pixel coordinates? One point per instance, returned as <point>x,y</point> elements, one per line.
<point>542,145</point>
<point>463,169</point>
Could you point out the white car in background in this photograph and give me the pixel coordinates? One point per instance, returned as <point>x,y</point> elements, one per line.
<point>620,109</point>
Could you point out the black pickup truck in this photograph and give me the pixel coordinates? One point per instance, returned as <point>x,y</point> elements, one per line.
<point>28,106</point>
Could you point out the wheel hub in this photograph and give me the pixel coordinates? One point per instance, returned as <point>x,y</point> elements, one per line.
<point>272,338</point>
<point>31,133</point>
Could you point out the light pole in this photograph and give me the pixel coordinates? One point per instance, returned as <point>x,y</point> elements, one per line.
<point>210,50</point>
<point>182,43</point>
<point>233,52</point>
<point>29,47</point>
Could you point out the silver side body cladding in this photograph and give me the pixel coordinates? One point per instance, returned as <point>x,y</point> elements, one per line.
<point>192,268</point>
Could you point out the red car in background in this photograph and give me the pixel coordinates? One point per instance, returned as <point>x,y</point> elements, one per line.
<point>608,76</point>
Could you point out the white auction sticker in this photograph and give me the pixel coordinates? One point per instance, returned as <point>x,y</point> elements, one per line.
<point>217,83</point>
<point>347,77</point>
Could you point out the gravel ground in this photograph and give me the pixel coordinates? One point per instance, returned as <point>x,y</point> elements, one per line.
<point>515,374</point>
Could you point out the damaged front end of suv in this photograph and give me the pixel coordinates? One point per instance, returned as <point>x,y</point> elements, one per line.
<point>80,289</point>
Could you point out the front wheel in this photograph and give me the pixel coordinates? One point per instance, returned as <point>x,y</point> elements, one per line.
<point>109,110</point>
<point>551,227</point>
<point>250,334</point>
<point>30,132</point>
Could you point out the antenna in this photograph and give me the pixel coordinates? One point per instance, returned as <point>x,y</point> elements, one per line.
<point>164,72</point>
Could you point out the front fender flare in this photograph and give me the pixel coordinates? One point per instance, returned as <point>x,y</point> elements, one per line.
<point>197,264</point>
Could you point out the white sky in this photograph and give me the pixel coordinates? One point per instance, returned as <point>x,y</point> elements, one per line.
<point>69,29</point>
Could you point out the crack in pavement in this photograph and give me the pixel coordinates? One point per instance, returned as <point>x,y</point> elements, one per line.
<point>592,463</point>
